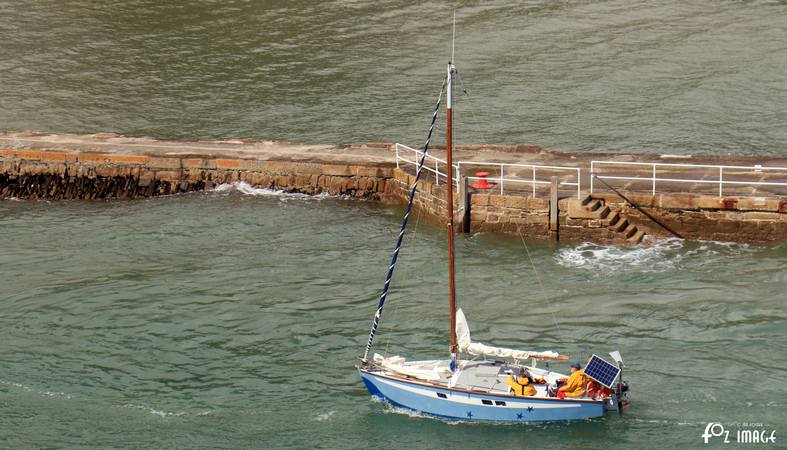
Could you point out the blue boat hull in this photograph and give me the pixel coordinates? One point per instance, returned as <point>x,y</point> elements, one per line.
<point>464,405</point>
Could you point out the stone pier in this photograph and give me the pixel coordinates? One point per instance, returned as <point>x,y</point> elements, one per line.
<point>107,166</point>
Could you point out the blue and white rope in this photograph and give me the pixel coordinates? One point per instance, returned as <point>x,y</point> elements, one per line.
<point>395,256</point>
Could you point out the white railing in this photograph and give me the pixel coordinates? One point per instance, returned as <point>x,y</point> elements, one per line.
<point>654,167</point>
<point>535,171</point>
<point>670,172</point>
<point>431,164</point>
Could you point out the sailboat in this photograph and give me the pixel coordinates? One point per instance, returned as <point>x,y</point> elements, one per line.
<point>472,383</point>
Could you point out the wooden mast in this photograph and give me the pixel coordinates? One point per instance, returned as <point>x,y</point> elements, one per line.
<point>450,212</point>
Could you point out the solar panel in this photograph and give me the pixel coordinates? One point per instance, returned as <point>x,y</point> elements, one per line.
<point>602,371</point>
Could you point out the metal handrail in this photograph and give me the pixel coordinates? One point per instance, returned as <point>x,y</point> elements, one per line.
<point>533,181</point>
<point>418,154</point>
<point>653,178</point>
<point>594,172</point>
<point>502,166</point>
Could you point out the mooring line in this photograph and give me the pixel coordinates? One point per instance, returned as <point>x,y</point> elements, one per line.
<point>538,278</point>
<point>637,207</point>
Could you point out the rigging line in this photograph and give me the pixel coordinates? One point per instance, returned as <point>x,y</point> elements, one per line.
<point>417,221</point>
<point>378,314</point>
<point>461,83</point>
<point>396,308</point>
<point>538,278</point>
<point>388,340</point>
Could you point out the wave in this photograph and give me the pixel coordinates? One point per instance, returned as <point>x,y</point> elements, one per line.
<point>156,412</point>
<point>36,391</point>
<point>324,416</point>
<point>247,189</point>
<point>659,256</point>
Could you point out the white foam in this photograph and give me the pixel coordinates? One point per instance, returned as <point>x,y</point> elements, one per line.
<point>324,416</point>
<point>389,408</point>
<point>660,255</point>
<point>154,411</point>
<point>247,189</point>
<point>53,394</point>
<point>666,422</point>
<point>56,394</point>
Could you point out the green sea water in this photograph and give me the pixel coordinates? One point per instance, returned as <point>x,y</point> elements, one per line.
<point>233,319</point>
<point>635,76</point>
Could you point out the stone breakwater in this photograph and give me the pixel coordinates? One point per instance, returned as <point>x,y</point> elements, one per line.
<point>606,218</point>
<point>55,175</point>
<point>105,166</point>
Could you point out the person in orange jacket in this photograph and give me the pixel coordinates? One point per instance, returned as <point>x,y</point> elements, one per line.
<point>521,384</point>
<point>575,384</point>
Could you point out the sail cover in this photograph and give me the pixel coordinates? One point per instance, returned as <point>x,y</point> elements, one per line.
<point>422,370</point>
<point>466,345</point>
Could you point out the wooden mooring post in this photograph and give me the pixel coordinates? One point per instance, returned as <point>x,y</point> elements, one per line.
<point>554,228</point>
<point>466,207</point>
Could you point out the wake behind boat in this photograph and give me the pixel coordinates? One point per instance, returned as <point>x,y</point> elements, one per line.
<point>478,381</point>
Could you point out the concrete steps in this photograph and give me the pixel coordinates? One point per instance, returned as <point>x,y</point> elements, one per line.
<point>611,219</point>
<point>620,225</point>
<point>614,221</point>
<point>637,237</point>
<point>630,230</point>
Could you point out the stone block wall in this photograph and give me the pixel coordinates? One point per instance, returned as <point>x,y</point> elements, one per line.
<point>85,175</point>
<point>698,217</point>
<point>77,175</point>
<point>732,219</point>
<point>488,212</point>
<point>510,214</point>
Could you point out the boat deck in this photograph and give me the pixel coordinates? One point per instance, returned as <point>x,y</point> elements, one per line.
<point>480,375</point>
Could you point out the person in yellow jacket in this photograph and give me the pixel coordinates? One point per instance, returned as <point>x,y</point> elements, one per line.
<point>575,384</point>
<point>521,384</point>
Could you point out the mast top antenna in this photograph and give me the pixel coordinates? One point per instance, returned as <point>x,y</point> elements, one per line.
<point>453,37</point>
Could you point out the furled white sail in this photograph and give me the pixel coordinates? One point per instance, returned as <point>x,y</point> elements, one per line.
<point>466,345</point>
<point>397,364</point>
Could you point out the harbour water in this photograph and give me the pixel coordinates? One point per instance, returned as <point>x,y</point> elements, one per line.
<point>233,318</point>
<point>674,77</point>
